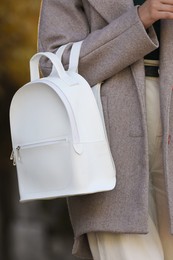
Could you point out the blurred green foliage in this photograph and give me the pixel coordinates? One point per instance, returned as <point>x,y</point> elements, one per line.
<point>18,22</point>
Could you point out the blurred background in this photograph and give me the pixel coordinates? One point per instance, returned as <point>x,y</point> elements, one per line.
<point>31,230</point>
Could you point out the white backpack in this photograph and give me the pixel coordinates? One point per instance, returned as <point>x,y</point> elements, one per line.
<point>59,142</point>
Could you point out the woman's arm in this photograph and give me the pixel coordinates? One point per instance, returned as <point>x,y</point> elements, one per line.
<point>105,51</point>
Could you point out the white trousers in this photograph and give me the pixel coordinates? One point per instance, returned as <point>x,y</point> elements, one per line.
<point>158,243</point>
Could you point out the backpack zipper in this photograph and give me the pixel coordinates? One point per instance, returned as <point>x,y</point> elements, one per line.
<point>32,145</point>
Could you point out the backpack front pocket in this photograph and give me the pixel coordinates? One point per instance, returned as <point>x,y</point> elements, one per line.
<point>43,166</point>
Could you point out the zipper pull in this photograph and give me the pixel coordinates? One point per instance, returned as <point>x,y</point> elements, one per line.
<point>18,152</point>
<point>12,157</point>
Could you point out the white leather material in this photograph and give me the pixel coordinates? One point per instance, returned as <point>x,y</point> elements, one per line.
<point>58,137</point>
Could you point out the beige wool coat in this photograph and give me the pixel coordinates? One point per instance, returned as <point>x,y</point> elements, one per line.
<point>115,43</point>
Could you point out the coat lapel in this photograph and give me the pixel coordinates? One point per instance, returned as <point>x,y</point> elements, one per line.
<point>111,9</point>
<point>139,77</point>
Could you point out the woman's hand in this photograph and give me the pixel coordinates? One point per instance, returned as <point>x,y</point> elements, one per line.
<point>153,10</point>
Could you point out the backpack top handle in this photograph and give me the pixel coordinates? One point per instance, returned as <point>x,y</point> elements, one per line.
<point>34,65</point>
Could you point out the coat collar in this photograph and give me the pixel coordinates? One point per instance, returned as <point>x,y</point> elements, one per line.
<point>110,9</point>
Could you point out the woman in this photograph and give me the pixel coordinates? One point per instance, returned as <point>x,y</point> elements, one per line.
<point>117,35</point>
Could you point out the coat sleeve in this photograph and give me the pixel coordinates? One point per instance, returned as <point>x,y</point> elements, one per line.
<point>105,51</point>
